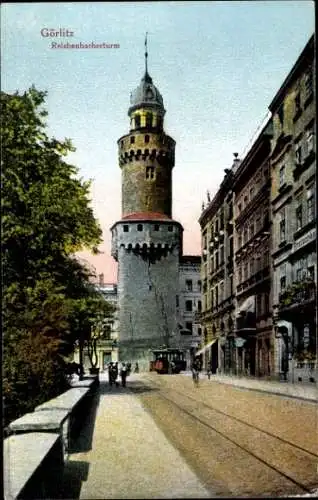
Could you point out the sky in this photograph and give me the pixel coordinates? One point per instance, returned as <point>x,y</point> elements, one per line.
<point>218,66</point>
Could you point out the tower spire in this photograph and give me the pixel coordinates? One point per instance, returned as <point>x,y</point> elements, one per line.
<point>146,54</point>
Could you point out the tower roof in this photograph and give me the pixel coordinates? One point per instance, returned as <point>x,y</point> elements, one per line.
<point>146,94</point>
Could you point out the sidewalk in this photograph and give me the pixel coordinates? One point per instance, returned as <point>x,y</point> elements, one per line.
<point>128,455</point>
<point>298,391</point>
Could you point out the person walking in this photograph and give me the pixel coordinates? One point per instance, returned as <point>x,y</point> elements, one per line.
<point>136,368</point>
<point>195,368</point>
<point>123,374</point>
<point>110,374</point>
<point>115,373</point>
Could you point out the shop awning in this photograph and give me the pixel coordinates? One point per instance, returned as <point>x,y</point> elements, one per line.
<point>205,348</point>
<point>248,306</point>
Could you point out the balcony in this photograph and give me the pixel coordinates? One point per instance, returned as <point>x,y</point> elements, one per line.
<point>298,294</point>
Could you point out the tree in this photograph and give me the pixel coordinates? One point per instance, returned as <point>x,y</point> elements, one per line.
<point>46,219</point>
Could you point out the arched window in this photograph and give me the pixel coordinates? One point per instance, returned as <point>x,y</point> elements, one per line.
<point>147,138</point>
<point>137,121</point>
<point>149,120</point>
<point>139,227</point>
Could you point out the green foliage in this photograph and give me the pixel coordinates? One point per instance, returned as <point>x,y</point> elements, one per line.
<point>46,218</point>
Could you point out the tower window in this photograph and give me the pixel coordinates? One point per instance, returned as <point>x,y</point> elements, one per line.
<point>139,227</point>
<point>147,138</point>
<point>159,121</point>
<point>156,227</point>
<point>126,228</point>
<point>150,172</point>
<point>132,139</point>
<point>170,229</point>
<point>149,120</point>
<point>137,121</point>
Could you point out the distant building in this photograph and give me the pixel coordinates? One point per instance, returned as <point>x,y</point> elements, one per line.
<point>107,347</point>
<point>293,200</point>
<point>189,306</point>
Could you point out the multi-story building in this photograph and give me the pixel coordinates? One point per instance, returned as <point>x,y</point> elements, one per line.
<point>189,307</point>
<point>294,252</point>
<point>253,343</point>
<point>217,319</point>
<point>107,346</point>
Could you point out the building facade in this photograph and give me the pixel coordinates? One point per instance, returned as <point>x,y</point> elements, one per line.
<point>293,201</point>
<point>217,318</point>
<point>252,244</point>
<point>189,306</point>
<point>146,242</point>
<point>107,347</point>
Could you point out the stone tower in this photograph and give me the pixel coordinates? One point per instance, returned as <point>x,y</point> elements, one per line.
<point>146,242</point>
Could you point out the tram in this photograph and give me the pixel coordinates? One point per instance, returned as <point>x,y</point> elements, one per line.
<point>168,360</point>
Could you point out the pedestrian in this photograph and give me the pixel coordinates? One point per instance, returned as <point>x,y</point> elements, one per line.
<point>110,374</point>
<point>128,369</point>
<point>136,368</point>
<point>123,374</point>
<point>115,373</point>
<point>209,372</point>
<point>195,368</point>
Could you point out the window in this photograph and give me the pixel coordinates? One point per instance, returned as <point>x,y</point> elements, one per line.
<point>139,227</point>
<point>309,138</point>
<point>239,240</point>
<point>189,285</point>
<point>298,153</point>
<point>245,273</point>
<point>309,84</point>
<point>310,205</point>
<point>126,228</point>
<point>170,229</point>
<point>137,121</point>
<point>258,305</point>
<point>159,121</point>
<point>147,138</point>
<point>216,255</point>
<point>199,285</point>
<point>199,306</point>
<point>299,214</point>
<point>282,283</point>
<point>239,275</point>
<point>252,266</point>
<point>216,296</point>
<point>150,172</point>
<point>297,103</point>
<point>189,326</point>
<point>266,303</point>
<point>222,254</point>
<point>245,238</point>
<point>132,139</point>
<point>282,176</point>
<point>156,227</point>
<point>311,273</point>
<point>239,207</point>
<point>251,192</point>
<point>177,300</point>
<point>245,200</point>
<point>188,305</point>
<point>280,114</point>
<point>217,226</point>
<point>199,331</point>
<point>282,226</point>
<point>252,229</point>
<point>149,120</point>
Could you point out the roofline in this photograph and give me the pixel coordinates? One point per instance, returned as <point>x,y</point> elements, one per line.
<point>293,72</point>
<point>152,221</point>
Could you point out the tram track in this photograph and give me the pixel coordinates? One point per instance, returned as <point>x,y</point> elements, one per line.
<point>293,470</point>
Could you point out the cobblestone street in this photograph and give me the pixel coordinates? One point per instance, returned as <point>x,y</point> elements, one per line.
<point>161,437</point>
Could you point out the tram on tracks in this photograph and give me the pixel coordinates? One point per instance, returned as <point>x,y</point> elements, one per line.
<point>168,360</point>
